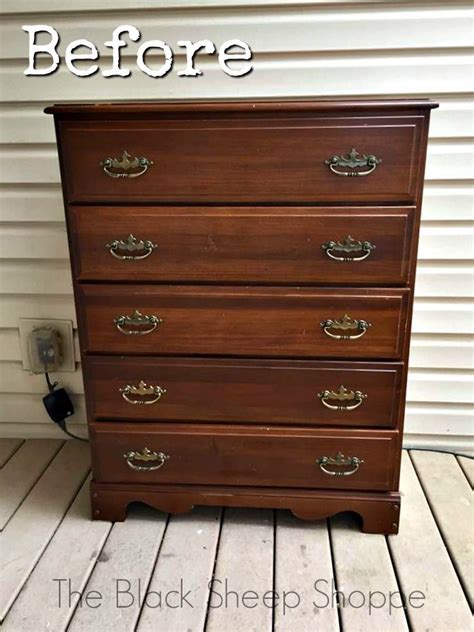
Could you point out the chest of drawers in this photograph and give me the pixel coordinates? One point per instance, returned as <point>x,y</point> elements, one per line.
<point>243,276</point>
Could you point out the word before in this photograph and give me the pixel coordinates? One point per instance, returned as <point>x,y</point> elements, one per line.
<point>233,50</point>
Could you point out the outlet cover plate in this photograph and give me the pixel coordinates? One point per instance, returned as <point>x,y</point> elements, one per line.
<point>26,325</point>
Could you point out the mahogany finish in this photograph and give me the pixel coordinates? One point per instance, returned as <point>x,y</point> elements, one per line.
<point>223,455</point>
<point>246,391</point>
<point>244,321</point>
<point>205,159</point>
<point>379,512</point>
<point>244,245</point>
<point>226,233</point>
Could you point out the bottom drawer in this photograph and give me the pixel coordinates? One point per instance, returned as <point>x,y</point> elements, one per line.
<point>236,455</point>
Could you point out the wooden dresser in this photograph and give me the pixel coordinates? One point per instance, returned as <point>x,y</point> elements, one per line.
<point>243,276</point>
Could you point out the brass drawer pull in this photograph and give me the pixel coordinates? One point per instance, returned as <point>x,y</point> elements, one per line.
<point>342,395</point>
<point>123,167</point>
<point>353,160</point>
<point>130,244</point>
<point>347,246</point>
<point>137,320</point>
<point>345,323</point>
<point>155,459</point>
<point>143,390</point>
<point>339,461</point>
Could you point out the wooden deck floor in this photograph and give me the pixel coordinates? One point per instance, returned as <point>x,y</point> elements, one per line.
<point>50,548</point>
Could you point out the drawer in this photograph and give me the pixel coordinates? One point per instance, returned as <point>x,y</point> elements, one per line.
<point>243,321</point>
<point>243,158</point>
<point>235,455</point>
<point>244,391</point>
<point>262,245</point>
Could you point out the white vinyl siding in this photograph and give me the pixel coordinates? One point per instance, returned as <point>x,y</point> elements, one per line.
<point>301,49</point>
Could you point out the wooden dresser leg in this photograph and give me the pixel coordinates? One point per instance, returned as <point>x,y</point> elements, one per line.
<point>106,506</point>
<point>381,516</point>
<point>110,503</point>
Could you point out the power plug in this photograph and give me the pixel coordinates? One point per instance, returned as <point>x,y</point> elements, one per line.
<point>58,405</point>
<point>44,350</point>
<point>45,356</point>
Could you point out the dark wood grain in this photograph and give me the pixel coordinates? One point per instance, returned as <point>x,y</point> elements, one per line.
<point>231,160</point>
<point>243,245</point>
<point>209,454</point>
<point>244,391</point>
<point>176,108</point>
<point>274,322</point>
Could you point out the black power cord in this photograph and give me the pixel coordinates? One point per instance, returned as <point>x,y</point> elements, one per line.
<point>51,385</point>
<point>62,425</point>
<point>59,406</point>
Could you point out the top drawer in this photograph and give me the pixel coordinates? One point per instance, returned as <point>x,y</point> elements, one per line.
<point>214,159</point>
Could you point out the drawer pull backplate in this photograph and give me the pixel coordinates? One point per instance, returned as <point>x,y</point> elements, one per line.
<point>126,166</point>
<point>153,460</point>
<point>137,320</point>
<point>347,246</point>
<point>353,160</point>
<point>339,461</point>
<point>345,323</point>
<point>353,398</point>
<point>142,390</point>
<point>131,244</point>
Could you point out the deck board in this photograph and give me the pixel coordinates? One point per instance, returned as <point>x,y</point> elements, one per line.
<point>8,447</point>
<point>50,536</point>
<point>70,556</point>
<point>19,475</point>
<point>185,564</point>
<point>29,531</point>
<point>363,566</point>
<point>424,565</point>
<point>244,565</point>
<point>303,558</point>
<point>467,466</point>
<point>449,495</point>
<point>122,574</point>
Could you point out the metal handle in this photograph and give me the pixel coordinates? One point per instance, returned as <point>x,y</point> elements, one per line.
<point>342,395</point>
<point>125,167</point>
<point>353,160</point>
<point>143,390</point>
<point>348,245</point>
<point>146,456</point>
<point>130,244</point>
<point>137,320</point>
<point>345,323</point>
<point>339,461</point>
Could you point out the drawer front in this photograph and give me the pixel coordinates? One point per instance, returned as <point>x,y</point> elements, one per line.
<point>291,159</point>
<point>156,320</point>
<point>244,391</point>
<point>232,455</point>
<point>292,245</point>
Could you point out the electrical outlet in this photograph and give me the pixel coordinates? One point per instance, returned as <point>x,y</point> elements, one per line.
<point>64,327</point>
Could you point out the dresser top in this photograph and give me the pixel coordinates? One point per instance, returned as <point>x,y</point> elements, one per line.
<point>182,107</point>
